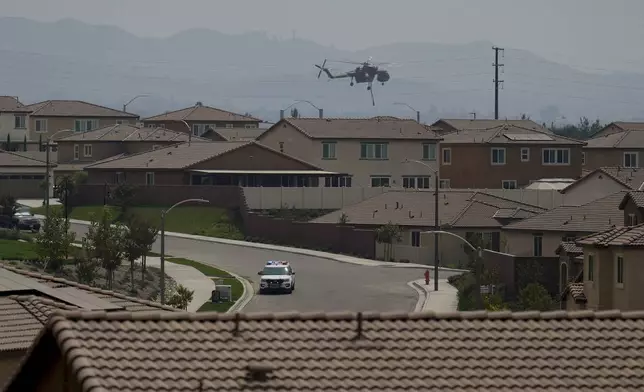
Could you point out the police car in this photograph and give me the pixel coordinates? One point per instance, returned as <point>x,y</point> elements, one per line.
<point>277,276</point>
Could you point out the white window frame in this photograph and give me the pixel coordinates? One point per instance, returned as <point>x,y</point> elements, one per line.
<point>536,253</point>
<point>619,278</point>
<point>330,148</point>
<point>447,150</point>
<point>250,126</point>
<point>416,182</point>
<point>381,178</point>
<point>632,220</point>
<point>76,152</point>
<point>119,122</point>
<point>229,126</point>
<point>498,150</point>
<point>86,148</point>
<point>444,184</point>
<point>590,273</point>
<point>525,154</point>
<point>149,176</point>
<point>630,153</point>
<point>429,151</point>
<point>21,119</point>
<point>555,155</point>
<point>40,125</point>
<point>80,124</point>
<point>415,238</point>
<point>368,151</point>
<point>119,177</point>
<point>583,158</point>
<point>504,182</point>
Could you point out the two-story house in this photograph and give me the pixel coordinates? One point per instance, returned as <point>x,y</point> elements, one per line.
<point>376,152</point>
<point>49,118</point>
<point>613,272</point>
<point>449,125</point>
<point>617,144</point>
<point>200,119</point>
<point>13,123</point>
<point>81,149</point>
<point>506,156</point>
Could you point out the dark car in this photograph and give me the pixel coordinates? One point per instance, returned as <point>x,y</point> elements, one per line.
<point>20,222</point>
<point>8,222</point>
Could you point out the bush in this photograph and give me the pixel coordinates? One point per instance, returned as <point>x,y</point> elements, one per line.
<point>535,297</point>
<point>14,235</point>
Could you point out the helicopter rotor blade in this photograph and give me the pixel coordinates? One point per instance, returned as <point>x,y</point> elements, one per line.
<point>373,100</point>
<point>321,68</point>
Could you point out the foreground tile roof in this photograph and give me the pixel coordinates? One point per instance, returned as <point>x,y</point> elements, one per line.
<point>361,128</point>
<point>201,113</point>
<point>618,236</point>
<point>12,105</point>
<point>69,108</point>
<point>569,247</point>
<point>576,290</point>
<point>595,216</point>
<point>130,133</point>
<point>475,351</point>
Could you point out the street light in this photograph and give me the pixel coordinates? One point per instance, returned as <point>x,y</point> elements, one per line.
<point>417,112</point>
<point>163,214</point>
<point>132,100</point>
<point>320,111</point>
<point>436,220</point>
<point>48,147</point>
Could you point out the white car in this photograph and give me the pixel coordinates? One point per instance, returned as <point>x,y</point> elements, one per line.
<point>277,276</point>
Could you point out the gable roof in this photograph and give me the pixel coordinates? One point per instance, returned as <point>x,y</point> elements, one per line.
<point>622,236</point>
<point>359,128</point>
<point>506,134</point>
<point>341,351</point>
<point>201,113</point>
<point>595,216</point>
<point>12,159</point>
<point>569,247</point>
<point>457,208</point>
<point>619,126</point>
<point>627,137</point>
<point>12,105</point>
<point>236,134</point>
<point>637,197</point>
<point>477,124</point>
<point>630,178</point>
<point>130,133</point>
<point>73,108</point>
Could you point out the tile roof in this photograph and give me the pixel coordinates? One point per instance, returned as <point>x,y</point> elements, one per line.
<point>457,208</point>
<point>238,134</point>
<point>14,159</point>
<point>11,105</point>
<point>631,178</point>
<point>201,113</point>
<point>576,290</point>
<point>617,236</point>
<point>69,108</point>
<point>507,134</point>
<point>569,247</point>
<point>637,197</point>
<point>471,124</point>
<point>80,166</point>
<point>471,351</point>
<point>130,133</point>
<point>630,138</point>
<point>360,128</point>
<point>597,215</point>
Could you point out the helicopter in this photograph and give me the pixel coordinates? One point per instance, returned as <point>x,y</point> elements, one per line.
<point>365,72</point>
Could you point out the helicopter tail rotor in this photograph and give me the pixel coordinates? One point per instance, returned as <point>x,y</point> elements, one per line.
<point>321,68</point>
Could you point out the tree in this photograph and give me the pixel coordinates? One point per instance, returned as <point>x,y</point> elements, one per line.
<point>24,144</point>
<point>40,146</point>
<point>104,242</point>
<point>123,197</point>
<point>535,297</point>
<point>138,243</point>
<point>525,116</point>
<point>86,268</point>
<point>343,219</point>
<point>295,113</point>
<point>8,144</point>
<point>54,241</point>
<point>66,187</point>
<point>181,298</point>
<point>8,205</point>
<point>388,235</point>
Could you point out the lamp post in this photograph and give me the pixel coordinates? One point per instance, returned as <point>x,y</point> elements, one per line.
<point>417,112</point>
<point>132,100</point>
<point>163,214</point>
<point>47,164</point>
<point>436,220</point>
<point>320,111</point>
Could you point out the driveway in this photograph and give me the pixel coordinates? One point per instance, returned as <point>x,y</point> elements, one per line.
<point>322,284</point>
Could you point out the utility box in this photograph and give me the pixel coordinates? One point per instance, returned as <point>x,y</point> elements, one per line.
<point>221,294</point>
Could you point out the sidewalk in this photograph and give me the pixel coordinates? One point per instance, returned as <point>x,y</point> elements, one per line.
<point>441,301</point>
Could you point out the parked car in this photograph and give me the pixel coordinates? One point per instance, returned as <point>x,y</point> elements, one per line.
<point>21,220</point>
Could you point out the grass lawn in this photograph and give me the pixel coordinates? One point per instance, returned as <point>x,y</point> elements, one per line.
<point>17,250</point>
<point>197,220</point>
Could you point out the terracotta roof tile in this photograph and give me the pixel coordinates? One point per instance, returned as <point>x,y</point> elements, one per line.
<point>576,290</point>
<point>570,248</point>
<point>201,113</point>
<point>361,128</point>
<point>579,351</point>
<point>130,133</point>
<point>595,216</point>
<point>12,105</point>
<point>618,236</point>
<point>68,108</point>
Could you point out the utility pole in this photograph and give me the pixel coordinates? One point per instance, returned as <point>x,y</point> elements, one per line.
<point>496,80</point>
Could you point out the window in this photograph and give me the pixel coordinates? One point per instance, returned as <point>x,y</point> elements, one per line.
<point>119,178</point>
<point>379,181</point>
<point>41,125</point>
<point>249,126</point>
<point>229,126</point>
<point>525,154</point>
<point>415,238</point>
<point>583,158</point>
<point>152,126</point>
<point>509,184</point>
<point>87,150</point>
<point>119,122</point>
<point>429,152</point>
<point>619,265</point>
<point>444,184</point>
<point>337,182</point>
<point>19,122</point>
<point>630,159</point>
<point>420,182</point>
<point>590,274</point>
<point>556,156</point>
<point>149,178</point>
<point>328,150</point>
<point>76,152</point>
<point>632,220</point>
<point>373,151</point>
<point>84,125</point>
<point>498,156</point>
<point>447,156</point>
<point>195,129</point>
<point>537,245</point>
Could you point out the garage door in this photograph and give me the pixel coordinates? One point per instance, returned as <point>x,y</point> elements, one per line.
<point>22,186</point>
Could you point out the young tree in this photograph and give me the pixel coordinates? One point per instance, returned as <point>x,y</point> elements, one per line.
<point>295,113</point>
<point>8,205</point>
<point>181,297</point>
<point>123,196</point>
<point>86,268</point>
<point>24,144</point>
<point>141,235</point>
<point>54,241</point>
<point>105,243</point>
<point>388,235</point>
<point>535,297</point>
<point>8,144</point>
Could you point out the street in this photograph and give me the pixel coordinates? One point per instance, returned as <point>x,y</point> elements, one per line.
<point>322,284</point>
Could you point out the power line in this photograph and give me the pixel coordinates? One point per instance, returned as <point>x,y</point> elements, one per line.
<point>496,80</point>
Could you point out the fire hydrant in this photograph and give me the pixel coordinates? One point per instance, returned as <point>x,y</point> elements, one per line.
<point>427,277</point>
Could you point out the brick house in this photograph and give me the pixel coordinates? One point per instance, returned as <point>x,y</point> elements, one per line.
<point>372,151</point>
<point>506,156</point>
<point>617,144</point>
<point>199,119</point>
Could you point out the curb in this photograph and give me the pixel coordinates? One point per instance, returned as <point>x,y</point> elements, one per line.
<point>423,295</point>
<point>297,251</point>
<point>246,296</point>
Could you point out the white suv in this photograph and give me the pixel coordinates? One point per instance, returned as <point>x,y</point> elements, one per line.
<point>277,276</point>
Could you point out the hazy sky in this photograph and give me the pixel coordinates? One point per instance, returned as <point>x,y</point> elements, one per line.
<point>591,33</point>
